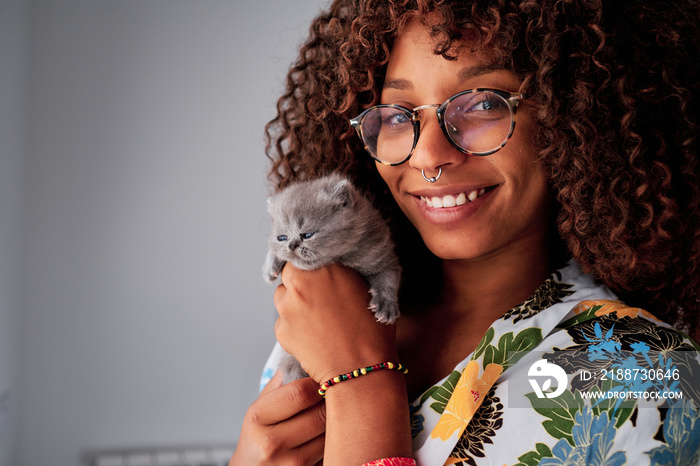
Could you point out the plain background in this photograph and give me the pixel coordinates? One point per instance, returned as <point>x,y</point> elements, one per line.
<point>132,219</point>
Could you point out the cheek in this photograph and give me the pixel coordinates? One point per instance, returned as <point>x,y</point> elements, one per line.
<point>390,175</point>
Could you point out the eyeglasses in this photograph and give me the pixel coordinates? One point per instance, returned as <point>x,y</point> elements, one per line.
<point>476,122</point>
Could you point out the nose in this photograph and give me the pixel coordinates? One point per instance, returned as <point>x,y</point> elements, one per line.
<point>433,150</point>
<point>294,244</point>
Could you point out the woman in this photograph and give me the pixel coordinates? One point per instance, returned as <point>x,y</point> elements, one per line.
<point>519,242</point>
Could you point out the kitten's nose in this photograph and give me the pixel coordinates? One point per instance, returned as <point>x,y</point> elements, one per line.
<point>294,244</point>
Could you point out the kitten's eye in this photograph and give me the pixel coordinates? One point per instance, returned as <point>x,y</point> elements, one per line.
<point>282,238</point>
<point>306,235</point>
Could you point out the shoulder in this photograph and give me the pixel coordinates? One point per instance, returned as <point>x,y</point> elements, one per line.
<point>593,322</point>
<point>607,342</point>
<point>631,376</point>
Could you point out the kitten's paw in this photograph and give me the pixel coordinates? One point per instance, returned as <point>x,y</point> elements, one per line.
<point>386,311</point>
<point>272,268</point>
<point>269,275</point>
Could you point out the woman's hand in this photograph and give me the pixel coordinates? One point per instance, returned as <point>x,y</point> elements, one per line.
<point>284,426</point>
<point>324,321</point>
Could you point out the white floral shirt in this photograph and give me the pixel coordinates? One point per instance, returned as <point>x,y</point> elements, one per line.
<point>569,377</point>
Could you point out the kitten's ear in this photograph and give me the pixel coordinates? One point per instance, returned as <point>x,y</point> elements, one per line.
<point>342,193</point>
<point>270,202</point>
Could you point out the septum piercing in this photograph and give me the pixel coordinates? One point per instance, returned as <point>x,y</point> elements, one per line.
<point>434,178</point>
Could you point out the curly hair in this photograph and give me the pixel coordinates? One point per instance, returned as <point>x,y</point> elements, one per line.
<point>614,88</point>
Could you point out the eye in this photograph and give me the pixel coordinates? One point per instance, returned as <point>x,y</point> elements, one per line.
<point>282,238</point>
<point>489,103</point>
<point>394,119</point>
<point>306,235</point>
<point>483,105</point>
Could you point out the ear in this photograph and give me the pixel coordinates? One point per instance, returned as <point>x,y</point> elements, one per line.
<point>341,192</point>
<point>270,203</point>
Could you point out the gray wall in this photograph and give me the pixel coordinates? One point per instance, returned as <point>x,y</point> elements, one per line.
<point>13,34</point>
<point>143,316</point>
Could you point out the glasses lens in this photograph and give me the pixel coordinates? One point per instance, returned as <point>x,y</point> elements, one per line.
<point>387,133</point>
<point>479,122</point>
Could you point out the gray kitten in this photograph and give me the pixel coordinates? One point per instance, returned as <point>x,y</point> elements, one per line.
<point>316,223</point>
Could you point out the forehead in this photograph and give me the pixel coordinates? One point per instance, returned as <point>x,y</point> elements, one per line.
<point>413,62</point>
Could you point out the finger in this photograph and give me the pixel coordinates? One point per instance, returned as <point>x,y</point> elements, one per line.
<point>312,451</point>
<point>274,382</point>
<point>300,429</point>
<point>286,270</point>
<point>279,295</point>
<point>284,402</point>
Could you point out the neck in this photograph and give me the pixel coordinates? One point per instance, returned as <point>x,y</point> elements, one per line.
<point>473,294</point>
<point>485,289</point>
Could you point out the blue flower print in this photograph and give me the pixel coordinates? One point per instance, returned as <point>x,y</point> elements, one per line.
<point>417,420</point>
<point>603,345</point>
<point>682,436</point>
<point>593,441</point>
<point>640,347</point>
<point>266,377</point>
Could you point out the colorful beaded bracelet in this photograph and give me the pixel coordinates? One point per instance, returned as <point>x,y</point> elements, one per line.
<point>359,372</point>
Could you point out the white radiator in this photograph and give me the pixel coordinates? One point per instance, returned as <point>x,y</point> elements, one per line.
<point>204,456</point>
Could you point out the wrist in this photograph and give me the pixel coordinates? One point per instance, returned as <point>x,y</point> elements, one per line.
<point>363,358</point>
<point>360,372</point>
<point>369,416</point>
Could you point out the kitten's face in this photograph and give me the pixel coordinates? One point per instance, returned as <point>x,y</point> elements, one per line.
<point>310,228</point>
<point>299,241</point>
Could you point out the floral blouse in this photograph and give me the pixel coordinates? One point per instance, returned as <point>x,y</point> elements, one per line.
<point>569,377</point>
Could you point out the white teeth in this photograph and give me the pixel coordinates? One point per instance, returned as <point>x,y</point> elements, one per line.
<point>451,200</point>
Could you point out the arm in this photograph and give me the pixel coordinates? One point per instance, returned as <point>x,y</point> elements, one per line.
<point>368,419</point>
<point>324,322</point>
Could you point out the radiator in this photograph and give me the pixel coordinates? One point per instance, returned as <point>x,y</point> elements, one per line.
<point>185,456</point>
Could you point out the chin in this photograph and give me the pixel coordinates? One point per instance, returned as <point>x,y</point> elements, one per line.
<point>454,249</point>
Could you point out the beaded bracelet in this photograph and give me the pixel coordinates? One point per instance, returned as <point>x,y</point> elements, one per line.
<point>359,372</point>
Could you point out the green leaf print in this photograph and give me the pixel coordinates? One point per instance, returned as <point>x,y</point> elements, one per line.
<point>481,347</point>
<point>623,412</point>
<point>442,393</point>
<point>583,317</point>
<point>533,458</point>
<point>560,411</point>
<point>510,349</point>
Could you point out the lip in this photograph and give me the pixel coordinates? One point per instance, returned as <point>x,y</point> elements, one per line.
<point>447,215</point>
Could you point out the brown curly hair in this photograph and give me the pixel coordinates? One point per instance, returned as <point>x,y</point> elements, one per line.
<point>614,85</point>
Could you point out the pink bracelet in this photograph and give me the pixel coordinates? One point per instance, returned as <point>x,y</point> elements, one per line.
<point>392,462</point>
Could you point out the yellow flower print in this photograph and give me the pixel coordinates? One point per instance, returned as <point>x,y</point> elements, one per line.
<point>466,399</point>
<point>613,306</point>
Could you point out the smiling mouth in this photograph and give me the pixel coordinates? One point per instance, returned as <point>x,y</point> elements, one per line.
<point>455,200</point>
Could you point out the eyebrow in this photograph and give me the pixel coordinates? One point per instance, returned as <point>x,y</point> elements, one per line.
<point>464,74</point>
<point>480,70</point>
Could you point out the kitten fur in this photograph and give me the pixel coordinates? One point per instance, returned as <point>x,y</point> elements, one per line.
<point>319,222</point>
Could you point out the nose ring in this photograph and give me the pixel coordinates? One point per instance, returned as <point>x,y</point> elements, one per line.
<point>434,178</point>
